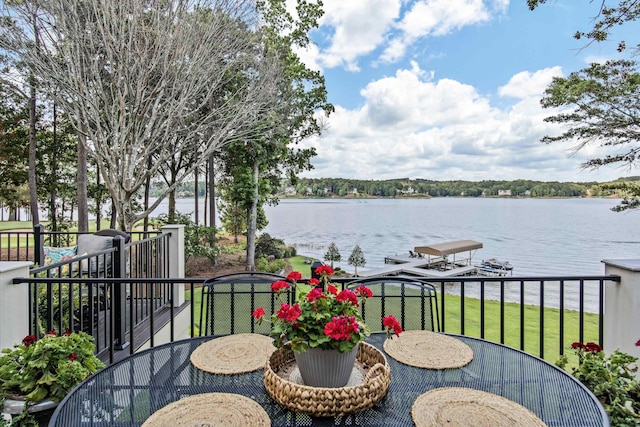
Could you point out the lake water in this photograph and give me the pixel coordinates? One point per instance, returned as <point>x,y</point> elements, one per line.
<point>537,236</point>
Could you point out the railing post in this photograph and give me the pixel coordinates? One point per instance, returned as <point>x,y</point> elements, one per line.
<point>176,259</point>
<point>622,305</point>
<point>38,241</point>
<point>119,303</point>
<point>14,303</point>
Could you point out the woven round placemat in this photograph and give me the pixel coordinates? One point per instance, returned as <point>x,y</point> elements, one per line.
<point>210,409</point>
<point>233,354</point>
<point>429,350</point>
<point>466,407</point>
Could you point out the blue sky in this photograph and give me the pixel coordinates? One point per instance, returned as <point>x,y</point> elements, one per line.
<point>449,89</point>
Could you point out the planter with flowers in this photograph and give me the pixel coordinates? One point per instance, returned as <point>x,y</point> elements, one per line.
<point>323,332</point>
<point>38,373</point>
<point>612,379</point>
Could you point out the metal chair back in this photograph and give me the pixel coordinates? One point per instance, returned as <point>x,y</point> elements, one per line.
<point>413,303</point>
<point>229,300</point>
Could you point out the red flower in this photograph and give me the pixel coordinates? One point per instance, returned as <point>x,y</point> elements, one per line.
<point>29,339</point>
<point>347,296</point>
<point>258,313</point>
<point>591,346</point>
<point>52,332</point>
<point>638,343</point>
<point>365,292</point>
<point>294,276</point>
<point>68,332</point>
<point>577,345</point>
<point>289,313</point>
<point>324,270</point>
<point>313,281</point>
<point>390,322</point>
<point>279,285</point>
<point>314,294</point>
<point>73,356</point>
<point>341,328</point>
<point>332,290</point>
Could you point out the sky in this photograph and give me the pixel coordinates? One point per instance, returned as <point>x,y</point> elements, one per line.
<point>450,89</point>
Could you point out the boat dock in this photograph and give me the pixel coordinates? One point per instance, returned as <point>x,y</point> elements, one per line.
<point>430,261</point>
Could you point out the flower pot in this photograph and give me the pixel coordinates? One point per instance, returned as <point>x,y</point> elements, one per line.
<point>41,411</point>
<point>326,368</point>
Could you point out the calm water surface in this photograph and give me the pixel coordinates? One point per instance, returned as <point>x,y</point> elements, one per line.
<point>537,236</point>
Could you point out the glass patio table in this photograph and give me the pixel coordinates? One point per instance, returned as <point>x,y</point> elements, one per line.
<point>129,391</point>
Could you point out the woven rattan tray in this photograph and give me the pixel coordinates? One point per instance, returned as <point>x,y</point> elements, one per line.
<point>328,402</point>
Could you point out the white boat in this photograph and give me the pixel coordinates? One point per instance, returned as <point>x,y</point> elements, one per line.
<point>494,266</point>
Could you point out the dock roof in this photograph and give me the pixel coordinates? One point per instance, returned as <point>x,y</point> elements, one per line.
<point>447,248</point>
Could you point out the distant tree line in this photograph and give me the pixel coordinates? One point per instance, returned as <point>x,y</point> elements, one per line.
<point>404,187</point>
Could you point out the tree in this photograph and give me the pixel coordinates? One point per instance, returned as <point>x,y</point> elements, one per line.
<point>273,154</point>
<point>333,254</point>
<point>600,103</point>
<point>357,258</point>
<point>144,82</point>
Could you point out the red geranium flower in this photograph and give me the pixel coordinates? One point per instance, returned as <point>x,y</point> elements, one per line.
<point>68,332</point>
<point>591,346</point>
<point>324,270</point>
<point>73,356</point>
<point>577,345</point>
<point>294,276</point>
<point>365,292</point>
<point>29,339</point>
<point>332,290</point>
<point>347,296</point>
<point>638,343</point>
<point>314,282</point>
<point>314,294</point>
<point>289,313</point>
<point>258,313</point>
<point>279,285</point>
<point>52,332</point>
<point>341,328</point>
<point>390,322</point>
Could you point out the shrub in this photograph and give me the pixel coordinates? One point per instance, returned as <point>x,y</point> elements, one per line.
<point>611,379</point>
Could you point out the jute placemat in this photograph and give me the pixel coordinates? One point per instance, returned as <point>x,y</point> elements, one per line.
<point>465,407</point>
<point>210,409</point>
<point>429,350</point>
<point>233,354</point>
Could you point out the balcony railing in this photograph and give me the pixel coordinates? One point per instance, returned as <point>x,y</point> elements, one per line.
<point>540,315</point>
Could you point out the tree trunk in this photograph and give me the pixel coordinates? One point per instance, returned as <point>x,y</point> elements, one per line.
<point>195,197</point>
<point>98,201</point>
<point>212,192</point>
<point>114,215</point>
<point>252,222</point>
<point>147,193</point>
<point>33,192</point>
<point>81,181</point>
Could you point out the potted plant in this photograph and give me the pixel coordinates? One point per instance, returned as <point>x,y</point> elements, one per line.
<point>611,379</point>
<point>39,372</point>
<point>323,327</point>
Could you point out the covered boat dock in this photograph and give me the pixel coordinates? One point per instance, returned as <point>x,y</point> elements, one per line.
<point>432,261</point>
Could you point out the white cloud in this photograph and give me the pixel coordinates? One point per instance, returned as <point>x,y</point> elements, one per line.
<point>527,84</point>
<point>357,28</point>
<point>437,18</point>
<point>412,126</point>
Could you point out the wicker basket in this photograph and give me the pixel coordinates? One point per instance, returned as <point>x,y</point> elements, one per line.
<point>327,402</point>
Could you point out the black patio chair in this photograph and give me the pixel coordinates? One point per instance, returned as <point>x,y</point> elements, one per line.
<point>413,303</point>
<point>229,300</point>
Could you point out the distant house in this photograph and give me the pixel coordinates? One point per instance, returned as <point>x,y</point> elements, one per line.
<point>527,193</point>
<point>290,191</point>
<point>355,191</point>
<point>410,190</point>
<point>504,192</point>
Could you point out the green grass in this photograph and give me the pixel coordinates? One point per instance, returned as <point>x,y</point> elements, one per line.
<point>492,324</point>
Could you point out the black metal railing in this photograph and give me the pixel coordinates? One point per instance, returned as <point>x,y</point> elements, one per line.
<point>540,315</point>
